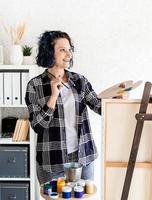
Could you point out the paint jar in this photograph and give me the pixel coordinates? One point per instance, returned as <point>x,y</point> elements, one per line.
<point>54,195</point>
<point>89,187</point>
<point>71,184</point>
<point>60,184</point>
<point>81,182</point>
<point>53,183</point>
<point>66,192</point>
<point>47,189</point>
<point>78,191</point>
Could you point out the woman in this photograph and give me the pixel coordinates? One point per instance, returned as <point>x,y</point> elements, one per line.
<point>57,101</point>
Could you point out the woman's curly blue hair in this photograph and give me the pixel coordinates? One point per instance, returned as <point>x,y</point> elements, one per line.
<point>45,56</point>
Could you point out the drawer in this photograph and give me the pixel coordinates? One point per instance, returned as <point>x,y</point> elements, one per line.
<point>14,191</point>
<point>14,161</point>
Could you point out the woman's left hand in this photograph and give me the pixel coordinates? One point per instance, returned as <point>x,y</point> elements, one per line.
<point>124,95</point>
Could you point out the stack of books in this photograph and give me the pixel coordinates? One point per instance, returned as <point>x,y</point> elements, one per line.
<point>21,132</point>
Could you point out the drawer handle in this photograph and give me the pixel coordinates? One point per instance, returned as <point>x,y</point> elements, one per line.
<point>11,160</point>
<point>12,196</point>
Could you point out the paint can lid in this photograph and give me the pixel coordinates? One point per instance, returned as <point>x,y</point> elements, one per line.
<point>88,182</point>
<point>78,189</point>
<point>54,180</point>
<point>66,189</point>
<point>47,186</point>
<point>81,182</point>
<point>54,195</point>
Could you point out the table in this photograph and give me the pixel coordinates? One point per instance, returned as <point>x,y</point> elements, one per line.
<point>85,196</point>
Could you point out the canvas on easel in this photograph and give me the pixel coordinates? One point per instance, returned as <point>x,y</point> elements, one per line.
<point>118,131</point>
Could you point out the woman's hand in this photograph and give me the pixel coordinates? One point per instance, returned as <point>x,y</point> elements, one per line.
<point>56,85</point>
<point>124,95</point>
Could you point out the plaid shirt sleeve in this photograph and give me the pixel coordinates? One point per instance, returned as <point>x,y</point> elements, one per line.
<point>91,98</point>
<point>40,117</point>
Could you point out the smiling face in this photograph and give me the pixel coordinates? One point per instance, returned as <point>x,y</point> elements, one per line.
<point>62,53</point>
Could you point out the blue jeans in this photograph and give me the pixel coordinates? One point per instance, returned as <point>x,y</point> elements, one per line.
<point>88,172</point>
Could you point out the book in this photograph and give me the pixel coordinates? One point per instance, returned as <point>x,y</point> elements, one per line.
<point>23,132</point>
<point>16,130</point>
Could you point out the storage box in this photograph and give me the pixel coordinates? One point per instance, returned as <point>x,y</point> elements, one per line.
<point>17,191</point>
<point>14,161</point>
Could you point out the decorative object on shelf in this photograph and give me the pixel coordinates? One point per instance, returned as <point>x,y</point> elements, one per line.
<point>1,55</point>
<point>16,34</point>
<point>27,58</point>
<point>16,55</point>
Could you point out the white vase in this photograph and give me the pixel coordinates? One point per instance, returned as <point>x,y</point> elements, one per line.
<point>1,55</point>
<point>16,55</point>
<point>27,60</point>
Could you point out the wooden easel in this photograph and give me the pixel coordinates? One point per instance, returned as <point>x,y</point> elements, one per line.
<point>141,117</point>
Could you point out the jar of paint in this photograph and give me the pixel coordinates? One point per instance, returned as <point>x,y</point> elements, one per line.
<point>47,189</point>
<point>66,192</point>
<point>78,191</point>
<point>89,187</point>
<point>81,182</point>
<point>60,184</point>
<point>53,183</point>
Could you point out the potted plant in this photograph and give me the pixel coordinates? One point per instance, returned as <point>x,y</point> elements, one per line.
<point>27,58</point>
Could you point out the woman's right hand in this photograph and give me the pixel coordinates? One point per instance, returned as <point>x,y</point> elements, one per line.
<point>56,85</point>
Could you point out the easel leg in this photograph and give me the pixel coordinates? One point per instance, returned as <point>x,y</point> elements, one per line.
<point>136,141</point>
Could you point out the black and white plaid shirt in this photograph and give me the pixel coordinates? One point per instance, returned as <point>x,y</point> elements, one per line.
<point>50,127</point>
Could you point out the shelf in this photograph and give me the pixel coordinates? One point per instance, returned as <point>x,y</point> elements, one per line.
<point>124,164</point>
<point>9,141</point>
<point>20,111</point>
<point>12,106</point>
<point>14,179</point>
<point>17,67</point>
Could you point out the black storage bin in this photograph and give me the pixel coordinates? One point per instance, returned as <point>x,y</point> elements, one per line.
<point>14,161</point>
<point>14,191</point>
<point>8,126</point>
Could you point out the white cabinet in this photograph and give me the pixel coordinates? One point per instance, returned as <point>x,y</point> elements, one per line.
<point>118,131</point>
<point>19,110</point>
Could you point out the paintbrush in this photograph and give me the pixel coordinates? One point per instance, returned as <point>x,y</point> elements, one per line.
<point>56,78</point>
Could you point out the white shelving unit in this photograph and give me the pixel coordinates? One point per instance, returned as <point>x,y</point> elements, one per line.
<point>20,111</point>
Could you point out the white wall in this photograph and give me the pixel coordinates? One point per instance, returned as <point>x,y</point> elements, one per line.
<point>113,39</point>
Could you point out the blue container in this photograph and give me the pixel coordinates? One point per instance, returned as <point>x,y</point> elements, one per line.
<point>78,191</point>
<point>66,192</point>
<point>53,183</point>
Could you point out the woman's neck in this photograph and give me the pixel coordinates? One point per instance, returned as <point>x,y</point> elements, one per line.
<point>57,72</point>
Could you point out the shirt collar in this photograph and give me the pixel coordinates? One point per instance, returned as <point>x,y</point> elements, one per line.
<point>72,78</point>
